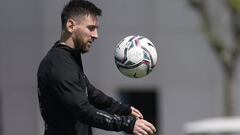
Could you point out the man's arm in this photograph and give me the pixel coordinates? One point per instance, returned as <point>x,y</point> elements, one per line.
<point>106,103</point>
<point>78,105</point>
<point>68,88</point>
<point>74,99</point>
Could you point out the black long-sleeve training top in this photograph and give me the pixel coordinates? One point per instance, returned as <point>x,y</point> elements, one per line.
<point>69,104</point>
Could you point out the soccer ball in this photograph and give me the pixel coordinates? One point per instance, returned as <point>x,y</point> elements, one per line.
<point>135,56</point>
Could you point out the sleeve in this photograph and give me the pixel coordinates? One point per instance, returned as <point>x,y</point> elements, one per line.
<point>106,103</point>
<point>67,87</point>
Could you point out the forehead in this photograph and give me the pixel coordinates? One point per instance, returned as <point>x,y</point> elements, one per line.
<point>89,20</point>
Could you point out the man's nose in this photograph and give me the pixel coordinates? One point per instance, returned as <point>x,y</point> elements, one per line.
<point>95,34</point>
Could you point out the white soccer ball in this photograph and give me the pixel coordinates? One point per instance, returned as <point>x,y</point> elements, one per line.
<point>135,56</point>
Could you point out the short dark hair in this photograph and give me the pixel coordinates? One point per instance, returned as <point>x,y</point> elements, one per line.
<point>77,8</point>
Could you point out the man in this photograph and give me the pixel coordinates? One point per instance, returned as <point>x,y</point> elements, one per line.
<point>69,103</point>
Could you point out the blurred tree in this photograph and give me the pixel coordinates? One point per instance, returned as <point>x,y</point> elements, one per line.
<point>227,54</point>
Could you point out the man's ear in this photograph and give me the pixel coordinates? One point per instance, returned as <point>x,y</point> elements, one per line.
<point>70,25</point>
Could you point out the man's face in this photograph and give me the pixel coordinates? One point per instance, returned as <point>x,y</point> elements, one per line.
<point>86,32</point>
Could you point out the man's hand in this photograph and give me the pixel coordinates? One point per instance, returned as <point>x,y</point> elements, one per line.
<point>142,127</point>
<point>136,113</point>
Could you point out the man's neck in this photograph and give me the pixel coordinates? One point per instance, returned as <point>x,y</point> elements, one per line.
<point>67,40</point>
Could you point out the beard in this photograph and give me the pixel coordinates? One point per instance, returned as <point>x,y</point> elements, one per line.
<point>82,47</point>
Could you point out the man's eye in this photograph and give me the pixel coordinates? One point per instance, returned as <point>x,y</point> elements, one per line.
<point>91,28</point>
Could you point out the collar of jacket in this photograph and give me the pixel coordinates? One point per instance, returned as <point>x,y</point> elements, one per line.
<point>76,53</point>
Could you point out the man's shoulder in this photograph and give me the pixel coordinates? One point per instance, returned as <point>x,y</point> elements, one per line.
<point>58,64</point>
<point>56,58</point>
<point>57,55</point>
